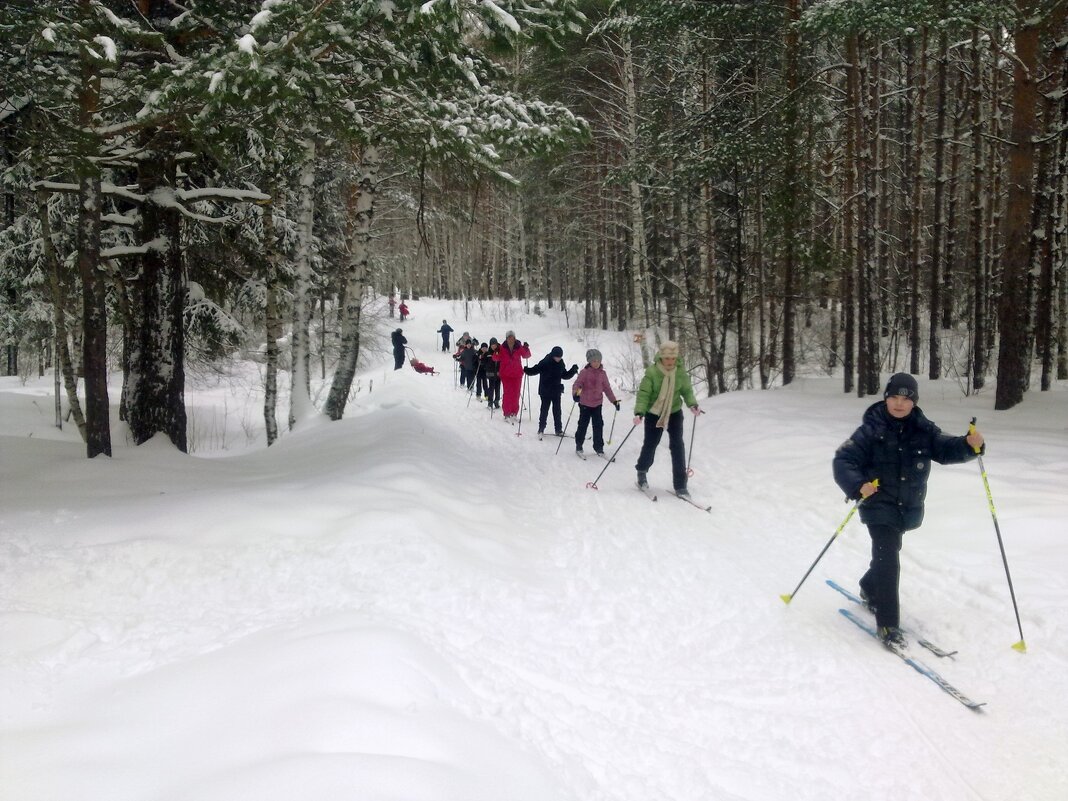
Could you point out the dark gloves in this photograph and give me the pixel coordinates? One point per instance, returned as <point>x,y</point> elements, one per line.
<point>574,368</point>
<point>616,404</point>
<point>574,397</point>
<point>525,345</point>
<point>528,371</point>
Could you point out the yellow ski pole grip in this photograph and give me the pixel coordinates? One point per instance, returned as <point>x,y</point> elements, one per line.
<point>971,430</point>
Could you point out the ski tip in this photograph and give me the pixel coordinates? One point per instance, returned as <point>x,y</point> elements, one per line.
<point>1020,646</point>
<point>786,598</point>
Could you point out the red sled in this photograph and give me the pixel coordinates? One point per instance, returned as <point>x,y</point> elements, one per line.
<point>421,367</point>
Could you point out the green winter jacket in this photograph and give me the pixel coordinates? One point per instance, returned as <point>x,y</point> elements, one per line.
<point>649,389</point>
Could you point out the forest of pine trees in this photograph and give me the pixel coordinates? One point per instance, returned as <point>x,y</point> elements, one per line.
<point>851,187</point>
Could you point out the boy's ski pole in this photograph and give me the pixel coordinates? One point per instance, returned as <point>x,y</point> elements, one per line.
<point>1020,646</point>
<point>593,484</point>
<point>613,428</point>
<point>787,598</point>
<point>566,424</point>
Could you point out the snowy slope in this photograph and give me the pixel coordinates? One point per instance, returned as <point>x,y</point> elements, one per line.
<point>416,603</point>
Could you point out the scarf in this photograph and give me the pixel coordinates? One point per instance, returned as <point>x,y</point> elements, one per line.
<point>662,405</point>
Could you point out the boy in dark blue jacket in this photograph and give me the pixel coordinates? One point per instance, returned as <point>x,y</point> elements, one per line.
<point>551,386</point>
<point>895,444</point>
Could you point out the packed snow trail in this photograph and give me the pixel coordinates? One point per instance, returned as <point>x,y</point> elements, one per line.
<point>414,602</point>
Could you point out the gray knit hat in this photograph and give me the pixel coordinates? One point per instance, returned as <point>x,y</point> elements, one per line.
<point>593,355</point>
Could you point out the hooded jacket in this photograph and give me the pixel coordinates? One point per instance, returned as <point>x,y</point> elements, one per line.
<point>897,452</point>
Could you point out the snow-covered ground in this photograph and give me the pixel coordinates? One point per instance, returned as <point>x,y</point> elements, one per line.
<point>417,604</point>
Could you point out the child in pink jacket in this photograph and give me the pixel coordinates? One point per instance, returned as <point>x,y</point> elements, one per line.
<point>588,391</point>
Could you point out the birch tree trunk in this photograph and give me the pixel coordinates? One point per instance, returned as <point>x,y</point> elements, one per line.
<point>59,302</point>
<point>361,210</point>
<point>300,403</point>
<point>637,216</point>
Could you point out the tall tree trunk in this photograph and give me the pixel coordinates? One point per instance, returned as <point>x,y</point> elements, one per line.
<point>94,291</point>
<point>156,395</point>
<point>94,321</point>
<point>976,256</point>
<point>1014,312</point>
<point>849,246</point>
<point>272,318</point>
<point>361,213</point>
<point>938,230</point>
<point>916,209</point>
<point>792,136</point>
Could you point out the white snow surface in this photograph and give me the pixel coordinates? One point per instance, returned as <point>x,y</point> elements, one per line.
<point>417,603</point>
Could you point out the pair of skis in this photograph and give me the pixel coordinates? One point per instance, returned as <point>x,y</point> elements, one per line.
<point>648,493</point>
<point>903,653</point>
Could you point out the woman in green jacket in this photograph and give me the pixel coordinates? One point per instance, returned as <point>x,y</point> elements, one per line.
<point>663,389</point>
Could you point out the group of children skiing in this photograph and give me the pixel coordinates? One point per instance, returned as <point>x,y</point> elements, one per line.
<point>883,466</point>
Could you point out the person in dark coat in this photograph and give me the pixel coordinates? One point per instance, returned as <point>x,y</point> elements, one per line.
<point>399,341</point>
<point>492,375</point>
<point>468,359</point>
<point>551,386</point>
<point>445,331</point>
<point>895,445</point>
<point>481,385</point>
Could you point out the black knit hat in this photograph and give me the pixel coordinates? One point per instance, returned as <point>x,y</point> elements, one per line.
<point>557,351</point>
<point>904,385</point>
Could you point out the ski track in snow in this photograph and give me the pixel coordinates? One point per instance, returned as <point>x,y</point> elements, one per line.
<point>419,586</point>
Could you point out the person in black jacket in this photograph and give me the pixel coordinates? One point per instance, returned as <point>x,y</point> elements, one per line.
<point>895,444</point>
<point>491,374</point>
<point>446,332</point>
<point>467,356</point>
<point>399,341</point>
<point>551,386</point>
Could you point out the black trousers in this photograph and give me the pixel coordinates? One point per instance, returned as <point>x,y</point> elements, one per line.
<point>398,358</point>
<point>445,343</point>
<point>675,443</point>
<point>493,390</point>
<point>586,415</point>
<point>546,402</point>
<point>880,583</point>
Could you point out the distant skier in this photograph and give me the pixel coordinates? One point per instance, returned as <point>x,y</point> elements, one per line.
<point>399,341</point>
<point>510,359</point>
<point>588,391</point>
<point>551,386</point>
<point>663,388</point>
<point>445,331</point>
<point>403,309</point>
<point>895,444</point>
